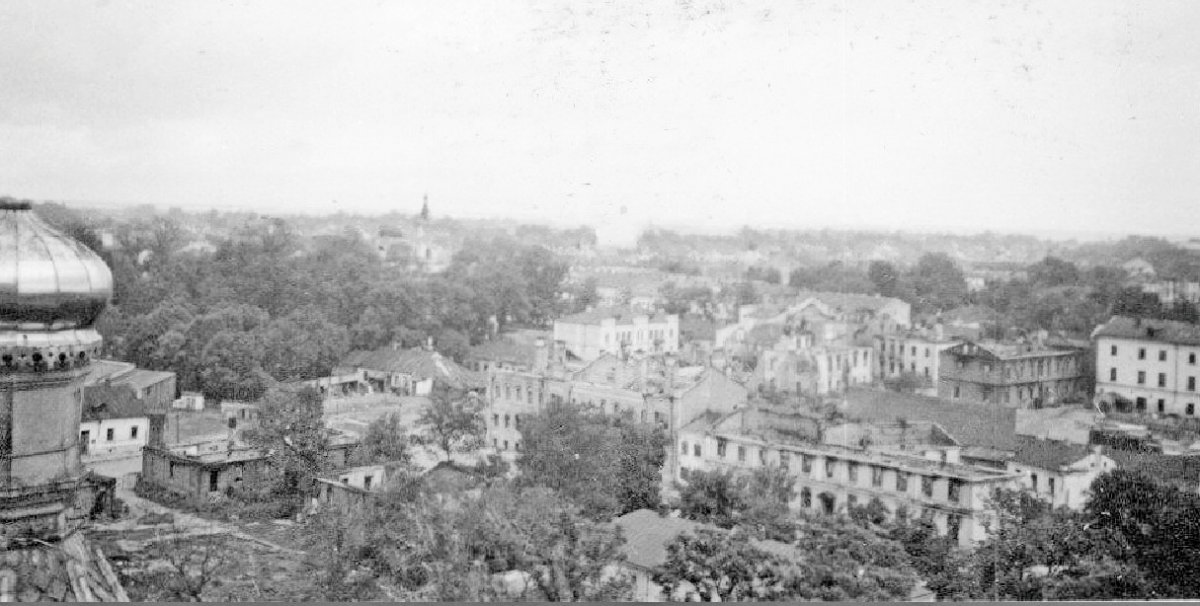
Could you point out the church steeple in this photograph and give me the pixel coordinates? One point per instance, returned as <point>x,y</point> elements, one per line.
<point>425,209</point>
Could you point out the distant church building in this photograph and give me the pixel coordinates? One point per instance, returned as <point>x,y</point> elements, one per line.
<point>52,289</point>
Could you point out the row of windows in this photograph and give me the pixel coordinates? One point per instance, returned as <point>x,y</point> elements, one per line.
<point>1162,379</point>
<point>901,478</point>
<point>1140,405</point>
<point>109,434</point>
<point>497,444</point>
<point>914,350</point>
<point>509,391</point>
<point>1162,354</point>
<point>515,418</point>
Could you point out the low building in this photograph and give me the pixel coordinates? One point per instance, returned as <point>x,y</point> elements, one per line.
<point>647,535</point>
<point>408,371</point>
<point>1015,375</point>
<point>617,330</point>
<point>189,400</point>
<point>1058,472</point>
<point>124,408</point>
<point>200,471</point>
<point>1150,365</point>
<point>919,479</point>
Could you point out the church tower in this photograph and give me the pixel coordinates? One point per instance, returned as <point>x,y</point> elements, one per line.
<point>52,289</point>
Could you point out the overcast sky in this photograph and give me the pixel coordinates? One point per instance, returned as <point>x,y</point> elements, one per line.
<point>1011,116</point>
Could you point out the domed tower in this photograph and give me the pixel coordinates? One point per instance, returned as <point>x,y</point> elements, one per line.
<point>52,289</point>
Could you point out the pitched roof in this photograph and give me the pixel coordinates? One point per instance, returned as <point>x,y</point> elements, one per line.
<point>647,535</point>
<point>117,401</point>
<point>972,424</point>
<point>623,315</point>
<point>418,362</point>
<point>1048,454</point>
<point>1163,331</point>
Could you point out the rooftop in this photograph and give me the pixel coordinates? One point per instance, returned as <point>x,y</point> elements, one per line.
<point>970,423</point>
<point>1048,454</point>
<point>623,315</point>
<point>418,362</point>
<point>1163,331</point>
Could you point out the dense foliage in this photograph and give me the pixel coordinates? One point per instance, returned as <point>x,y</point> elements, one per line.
<point>608,466</point>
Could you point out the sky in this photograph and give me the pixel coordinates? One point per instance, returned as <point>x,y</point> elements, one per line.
<point>1064,115</point>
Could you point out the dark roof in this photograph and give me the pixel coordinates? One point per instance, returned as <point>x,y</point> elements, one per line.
<point>623,315</point>
<point>1164,331</point>
<point>972,424</point>
<point>505,349</point>
<point>418,362</point>
<point>647,535</point>
<point>118,401</point>
<point>1048,454</point>
<point>141,378</point>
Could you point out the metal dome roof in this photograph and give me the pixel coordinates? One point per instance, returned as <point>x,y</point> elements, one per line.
<point>48,281</point>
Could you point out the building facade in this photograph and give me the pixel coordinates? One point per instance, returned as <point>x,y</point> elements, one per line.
<point>930,482</point>
<point>1012,375</point>
<point>623,331</point>
<point>1152,365</point>
<point>916,354</point>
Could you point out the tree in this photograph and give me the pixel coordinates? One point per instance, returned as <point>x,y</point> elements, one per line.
<point>885,277</point>
<point>451,421</point>
<point>712,497</point>
<point>1052,271</point>
<point>721,566</point>
<point>292,433</point>
<point>607,466</point>
<point>766,495</point>
<point>938,282</point>
<point>384,441</point>
<point>231,366</point>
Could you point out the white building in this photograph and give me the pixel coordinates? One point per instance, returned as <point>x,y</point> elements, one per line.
<point>925,480</point>
<point>1150,364</point>
<point>590,334</point>
<point>1058,472</point>
<point>915,353</point>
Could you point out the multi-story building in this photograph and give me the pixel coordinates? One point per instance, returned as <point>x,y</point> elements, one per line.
<point>1151,364</point>
<point>919,474</point>
<point>913,353</point>
<point>814,370</point>
<point>617,330</point>
<point>1019,375</point>
<point>123,406</point>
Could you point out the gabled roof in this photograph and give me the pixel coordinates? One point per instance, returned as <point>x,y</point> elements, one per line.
<point>647,535</point>
<point>1048,454</point>
<point>118,401</point>
<point>1162,331</point>
<point>418,362</point>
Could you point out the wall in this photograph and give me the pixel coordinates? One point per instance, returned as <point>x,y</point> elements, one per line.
<point>123,442</point>
<point>1182,362</point>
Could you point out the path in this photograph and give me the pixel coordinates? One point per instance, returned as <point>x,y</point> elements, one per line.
<point>184,525</point>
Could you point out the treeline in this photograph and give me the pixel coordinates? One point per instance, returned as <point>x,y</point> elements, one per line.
<point>269,305</point>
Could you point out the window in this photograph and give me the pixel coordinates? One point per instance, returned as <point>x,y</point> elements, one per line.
<point>955,491</point>
<point>683,447</point>
<point>876,476</point>
<point>1191,385</point>
<point>133,432</point>
<point>1114,350</point>
<point>696,449</point>
<point>1161,405</point>
<point>1162,355</point>
<point>1141,377</point>
<point>506,420</point>
<point>762,457</point>
<point>1191,409</point>
<point>496,420</point>
<point>108,434</point>
<point>926,352</point>
<point>1112,374</point>
<point>829,463</point>
<point>518,446</point>
<point>367,482</point>
<point>721,446</point>
<point>1051,486</point>
<point>1162,379</point>
<point>785,460</point>
<point>901,481</point>
<point>1033,477</point>
<point>171,469</point>
<point>1191,358</point>
<point>853,471</point>
<point>957,392</point>
<point>805,497</point>
<point>517,421</point>
<point>805,463</point>
<point>927,486</point>
<point>1141,405</point>
<point>1141,353</point>
<point>213,477</point>
<point>506,445</point>
<point>741,453</point>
